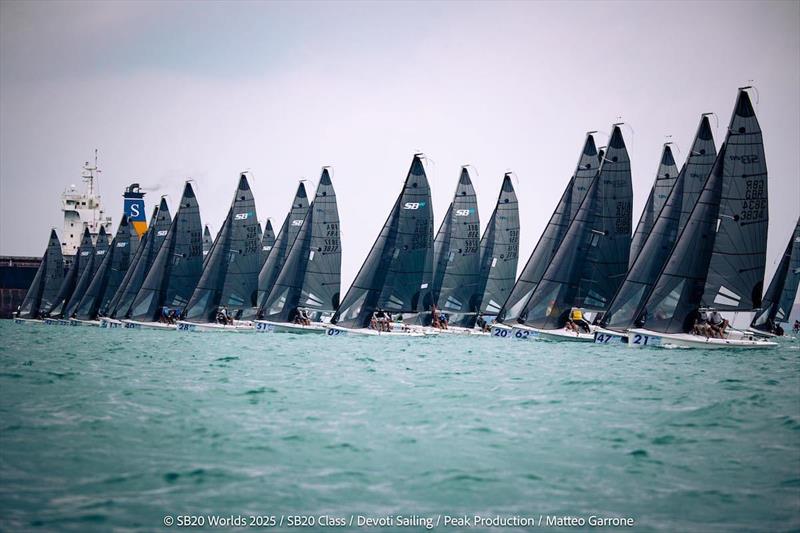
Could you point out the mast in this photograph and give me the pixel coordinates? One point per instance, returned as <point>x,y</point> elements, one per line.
<point>553,235</point>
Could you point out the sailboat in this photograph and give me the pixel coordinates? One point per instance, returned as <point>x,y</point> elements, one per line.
<point>592,259</point>
<point>207,240</point>
<point>44,288</point>
<point>267,241</point>
<point>397,273</point>
<point>779,298</point>
<point>175,272</point>
<point>456,259</point>
<point>109,276</point>
<point>654,248</point>
<point>499,253</point>
<point>120,305</point>
<point>280,249</point>
<point>719,259</point>
<point>311,276</point>
<point>80,262</point>
<point>229,282</point>
<point>549,242</point>
<point>95,260</point>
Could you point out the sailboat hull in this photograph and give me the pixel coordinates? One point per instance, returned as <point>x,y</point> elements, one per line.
<point>501,331</point>
<point>610,337</point>
<point>90,323</point>
<point>688,340</point>
<point>336,331</point>
<point>267,326</point>
<point>57,322</point>
<point>528,333</point>
<point>236,327</point>
<point>27,321</point>
<point>135,324</point>
<point>110,323</point>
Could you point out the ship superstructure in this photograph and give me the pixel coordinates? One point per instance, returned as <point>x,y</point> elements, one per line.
<point>82,210</point>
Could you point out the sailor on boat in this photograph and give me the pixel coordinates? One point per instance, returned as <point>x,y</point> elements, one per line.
<point>796,328</point>
<point>301,317</point>
<point>576,322</point>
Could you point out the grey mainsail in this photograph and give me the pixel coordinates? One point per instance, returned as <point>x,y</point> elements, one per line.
<point>666,176</point>
<point>230,275</point>
<point>178,264</point>
<point>283,243</point>
<point>782,290</point>
<point>458,292</point>
<point>626,309</point>
<point>499,251</point>
<point>267,241</point>
<point>108,277</point>
<point>47,281</point>
<point>397,273</point>
<point>736,273</point>
<point>592,260</point>
<point>207,240</point>
<point>95,260</point>
<point>80,261</point>
<point>311,276</point>
<point>148,250</point>
<point>441,249</point>
<point>678,294</point>
<point>551,239</point>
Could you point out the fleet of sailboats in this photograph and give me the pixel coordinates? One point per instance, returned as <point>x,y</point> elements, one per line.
<point>698,249</point>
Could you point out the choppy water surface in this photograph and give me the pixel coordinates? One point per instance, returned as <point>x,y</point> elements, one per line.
<point>114,429</point>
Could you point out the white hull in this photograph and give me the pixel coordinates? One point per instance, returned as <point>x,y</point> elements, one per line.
<point>27,321</point>
<point>90,323</point>
<point>335,331</point>
<point>527,332</point>
<point>266,326</point>
<point>236,327</point>
<point>453,330</point>
<point>610,337</point>
<point>688,340</point>
<point>501,331</point>
<point>110,323</point>
<point>135,324</point>
<point>57,322</point>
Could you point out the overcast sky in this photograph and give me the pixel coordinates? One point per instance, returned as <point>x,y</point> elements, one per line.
<point>204,90</point>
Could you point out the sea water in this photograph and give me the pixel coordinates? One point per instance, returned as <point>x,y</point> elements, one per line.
<point>130,430</point>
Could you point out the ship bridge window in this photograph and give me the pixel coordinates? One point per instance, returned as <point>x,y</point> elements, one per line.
<point>83,203</point>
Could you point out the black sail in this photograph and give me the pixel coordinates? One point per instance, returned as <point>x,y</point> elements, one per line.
<point>154,238</point>
<point>267,241</point>
<point>283,243</point>
<point>441,251</point>
<point>48,279</point>
<point>311,276</point>
<point>499,251</point>
<point>135,258</point>
<point>554,233</point>
<point>736,273</point>
<point>397,273</point>
<point>95,260</point>
<point>665,179</point>
<point>628,302</point>
<point>230,275</point>
<point>81,260</point>
<point>178,264</point>
<point>459,292</point>
<point>108,277</point>
<point>627,306</point>
<point>592,260</point>
<point>782,290</point>
<point>207,240</point>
